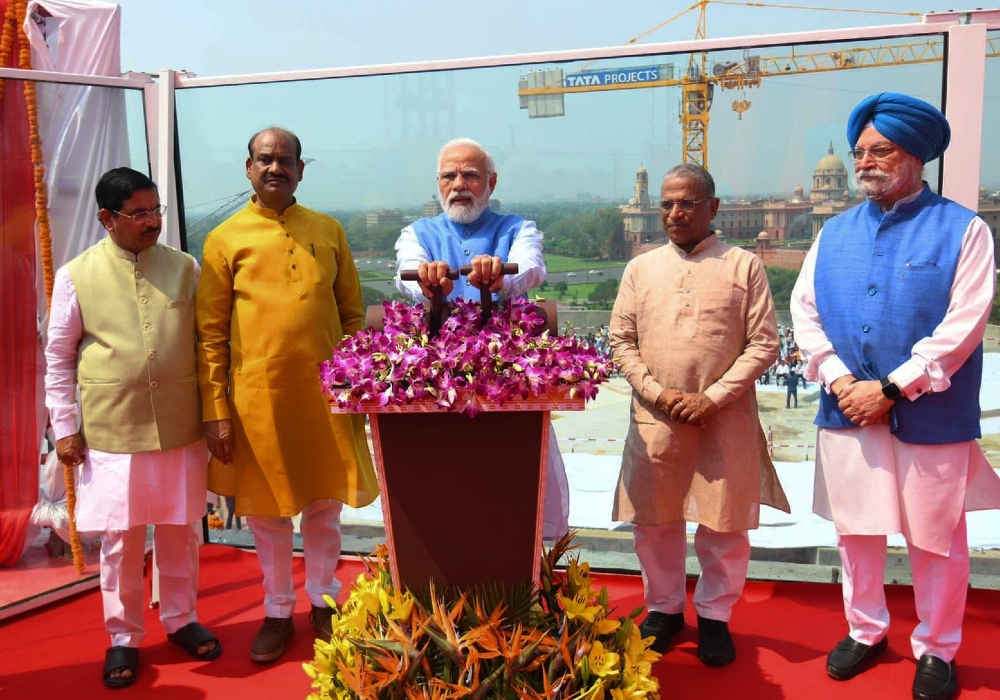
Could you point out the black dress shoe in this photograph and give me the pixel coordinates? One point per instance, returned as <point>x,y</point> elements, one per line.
<point>851,657</point>
<point>662,626</point>
<point>715,646</point>
<point>936,679</point>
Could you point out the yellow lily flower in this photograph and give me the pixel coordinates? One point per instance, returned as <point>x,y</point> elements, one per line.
<point>577,608</point>
<point>602,663</point>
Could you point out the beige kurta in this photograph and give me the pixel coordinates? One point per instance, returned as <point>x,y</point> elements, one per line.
<point>698,322</point>
<point>277,293</point>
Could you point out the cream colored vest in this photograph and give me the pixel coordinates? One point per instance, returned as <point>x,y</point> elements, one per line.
<point>137,367</point>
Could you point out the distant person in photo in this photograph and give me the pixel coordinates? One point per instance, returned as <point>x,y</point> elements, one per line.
<point>792,385</point>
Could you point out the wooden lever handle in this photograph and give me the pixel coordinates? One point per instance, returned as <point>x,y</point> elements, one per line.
<point>411,275</point>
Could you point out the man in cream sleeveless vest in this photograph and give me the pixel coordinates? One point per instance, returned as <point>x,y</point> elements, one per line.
<point>122,331</point>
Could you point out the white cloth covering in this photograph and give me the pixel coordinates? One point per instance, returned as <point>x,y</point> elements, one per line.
<point>320,529</point>
<point>723,556</point>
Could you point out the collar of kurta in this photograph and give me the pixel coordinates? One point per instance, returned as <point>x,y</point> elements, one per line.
<point>271,214</point>
<point>910,201</point>
<point>700,248</point>
<point>120,252</point>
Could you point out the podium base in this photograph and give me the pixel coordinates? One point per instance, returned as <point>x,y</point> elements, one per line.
<point>461,496</point>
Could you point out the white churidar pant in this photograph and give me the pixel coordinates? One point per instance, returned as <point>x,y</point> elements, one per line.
<point>122,553</point>
<point>723,556</point>
<point>940,587</point>
<point>320,528</point>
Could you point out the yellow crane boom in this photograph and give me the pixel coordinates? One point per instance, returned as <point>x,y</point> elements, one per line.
<point>698,85</point>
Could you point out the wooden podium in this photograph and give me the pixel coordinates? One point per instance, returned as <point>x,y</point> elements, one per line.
<point>462,496</point>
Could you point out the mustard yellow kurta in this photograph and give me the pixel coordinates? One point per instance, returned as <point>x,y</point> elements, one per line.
<point>277,293</point>
<point>698,322</point>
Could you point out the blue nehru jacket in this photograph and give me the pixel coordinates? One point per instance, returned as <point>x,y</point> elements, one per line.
<point>456,244</point>
<point>882,283</point>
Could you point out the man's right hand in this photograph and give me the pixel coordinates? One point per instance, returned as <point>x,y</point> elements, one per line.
<point>840,385</point>
<point>432,276</point>
<point>667,398</point>
<point>71,449</point>
<point>219,436</point>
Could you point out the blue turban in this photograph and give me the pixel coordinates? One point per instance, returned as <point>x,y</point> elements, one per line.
<point>917,127</point>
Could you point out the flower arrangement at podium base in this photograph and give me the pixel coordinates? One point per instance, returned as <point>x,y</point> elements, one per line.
<point>554,641</point>
<point>463,603</point>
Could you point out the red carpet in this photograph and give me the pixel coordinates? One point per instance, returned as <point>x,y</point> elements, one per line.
<point>782,633</point>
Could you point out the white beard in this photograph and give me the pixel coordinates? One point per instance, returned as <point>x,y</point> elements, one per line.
<point>465,212</point>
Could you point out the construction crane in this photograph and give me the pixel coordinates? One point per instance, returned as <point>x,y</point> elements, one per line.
<point>541,92</point>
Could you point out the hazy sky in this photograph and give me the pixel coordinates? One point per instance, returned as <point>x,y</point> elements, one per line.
<point>375,139</point>
<point>224,37</point>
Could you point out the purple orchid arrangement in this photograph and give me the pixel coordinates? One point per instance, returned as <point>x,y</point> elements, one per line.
<point>512,358</point>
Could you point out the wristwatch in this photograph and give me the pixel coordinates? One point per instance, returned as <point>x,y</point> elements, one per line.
<point>890,390</point>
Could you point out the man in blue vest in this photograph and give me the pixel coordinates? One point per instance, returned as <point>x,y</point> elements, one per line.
<point>890,310</point>
<point>468,232</point>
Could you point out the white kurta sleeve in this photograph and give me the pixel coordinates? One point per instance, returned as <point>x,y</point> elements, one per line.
<point>409,255</point>
<point>61,352</point>
<point>821,361</point>
<point>935,358</point>
<point>526,252</point>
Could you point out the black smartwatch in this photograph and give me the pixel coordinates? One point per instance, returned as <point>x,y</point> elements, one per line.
<point>890,390</point>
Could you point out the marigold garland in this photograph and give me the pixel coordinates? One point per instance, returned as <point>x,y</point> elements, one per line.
<point>13,26</point>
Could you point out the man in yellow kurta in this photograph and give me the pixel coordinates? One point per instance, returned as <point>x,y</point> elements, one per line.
<point>693,328</point>
<point>278,291</point>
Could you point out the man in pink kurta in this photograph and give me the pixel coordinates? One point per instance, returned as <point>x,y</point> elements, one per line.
<point>693,328</point>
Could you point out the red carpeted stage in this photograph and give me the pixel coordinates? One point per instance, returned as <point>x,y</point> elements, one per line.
<point>782,633</point>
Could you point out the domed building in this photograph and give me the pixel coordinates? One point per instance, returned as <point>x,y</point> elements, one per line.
<point>829,193</point>
<point>829,178</point>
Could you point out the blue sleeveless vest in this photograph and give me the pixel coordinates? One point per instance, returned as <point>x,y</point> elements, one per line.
<point>882,283</point>
<point>456,244</point>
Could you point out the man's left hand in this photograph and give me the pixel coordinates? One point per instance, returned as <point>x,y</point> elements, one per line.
<point>693,409</point>
<point>487,272</point>
<point>864,403</point>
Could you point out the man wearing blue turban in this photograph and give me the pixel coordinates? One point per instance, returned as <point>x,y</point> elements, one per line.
<point>890,309</point>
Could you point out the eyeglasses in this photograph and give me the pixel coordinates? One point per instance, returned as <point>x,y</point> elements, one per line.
<point>140,216</point>
<point>473,177</point>
<point>682,204</point>
<point>877,153</point>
